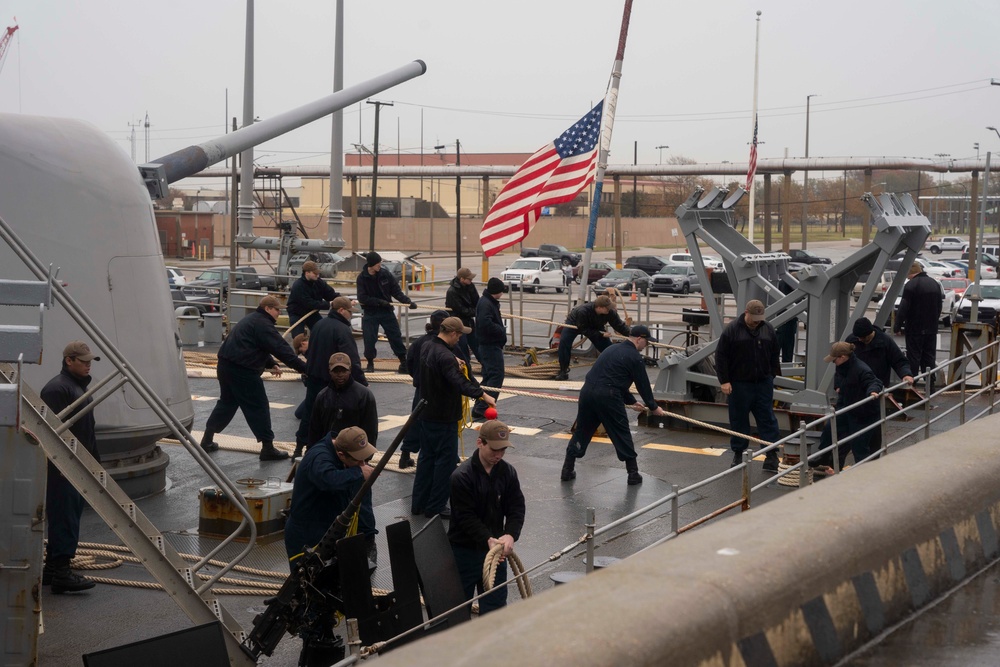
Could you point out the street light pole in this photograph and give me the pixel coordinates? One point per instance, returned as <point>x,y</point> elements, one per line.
<point>371,233</point>
<point>458,206</point>
<point>805,179</point>
<point>660,148</point>
<point>937,216</point>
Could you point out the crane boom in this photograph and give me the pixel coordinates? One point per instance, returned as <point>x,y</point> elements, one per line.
<point>5,42</point>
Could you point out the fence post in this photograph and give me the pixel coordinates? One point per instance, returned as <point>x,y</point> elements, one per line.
<point>747,458</point>
<point>675,504</point>
<point>961,409</point>
<point>520,312</point>
<point>927,408</point>
<point>882,427</point>
<point>993,374</point>
<point>803,456</point>
<point>836,444</point>
<point>590,525</point>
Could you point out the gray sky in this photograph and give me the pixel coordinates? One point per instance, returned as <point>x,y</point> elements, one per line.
<point>894,78</point>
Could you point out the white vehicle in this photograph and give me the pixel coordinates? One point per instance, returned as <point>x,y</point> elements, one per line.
<point>880,289</point>
<point>948,243</point>
<point>937,269</point>
<point>175,277</point>
<point>535,273</point>
<point>713,262</point>
<point>988,307</point>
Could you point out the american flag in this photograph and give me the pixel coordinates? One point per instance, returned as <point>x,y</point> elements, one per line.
<point>553,175</point>
<point>753,156</point>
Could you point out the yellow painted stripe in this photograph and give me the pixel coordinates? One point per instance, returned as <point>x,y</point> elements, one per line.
<point>393,421</point>
<point>276,406</point>
<point>707,451</point>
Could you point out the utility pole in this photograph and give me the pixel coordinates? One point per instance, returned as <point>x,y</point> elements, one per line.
<point>146,125</point>
<point>458,206</point>
<point>805,180</point>
<point>371,234</point>
<point>635,192</point>
<point>132,127</point>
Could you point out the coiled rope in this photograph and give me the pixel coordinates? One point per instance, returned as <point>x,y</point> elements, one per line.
<point>493,560</point>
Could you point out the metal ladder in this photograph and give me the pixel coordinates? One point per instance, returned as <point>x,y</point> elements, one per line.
<point>38,431</point>
<point>22,483</point>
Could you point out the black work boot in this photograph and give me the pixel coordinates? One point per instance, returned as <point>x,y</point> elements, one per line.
<point>568,473</point>
<point>737,459</point>
<point>632,466</point>
<point>299,450</point>
<point>64,580</point>
<point>405,461</point>
<point>206,442</point>
<point>562,375</point>
<point>771,462</point>
<point>370,368</point>
<point>269,453</point>
<point>402,367</point>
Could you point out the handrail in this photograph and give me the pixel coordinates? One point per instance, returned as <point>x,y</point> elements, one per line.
<point>152,400</point>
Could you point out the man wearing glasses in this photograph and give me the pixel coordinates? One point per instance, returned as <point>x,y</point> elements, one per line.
<point>63,503</point>
<point>250,348</point>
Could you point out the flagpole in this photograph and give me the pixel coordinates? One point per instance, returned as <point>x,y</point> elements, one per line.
<point>753,118</point>
<point>607,123</point>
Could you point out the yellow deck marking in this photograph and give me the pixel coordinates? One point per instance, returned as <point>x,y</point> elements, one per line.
<point>392,421</point>
<point>276,406</point>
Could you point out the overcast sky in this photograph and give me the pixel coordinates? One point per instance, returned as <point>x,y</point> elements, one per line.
<point>893,78</point>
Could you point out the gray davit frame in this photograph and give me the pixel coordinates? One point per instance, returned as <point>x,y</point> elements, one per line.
<point>821,296</point>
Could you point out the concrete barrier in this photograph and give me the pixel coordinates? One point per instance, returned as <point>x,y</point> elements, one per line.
<point>802,580</point>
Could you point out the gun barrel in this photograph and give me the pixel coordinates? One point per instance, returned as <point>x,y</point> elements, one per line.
<point>189,161</point>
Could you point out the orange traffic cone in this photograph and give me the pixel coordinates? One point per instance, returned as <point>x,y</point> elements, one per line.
<point>633,297</point>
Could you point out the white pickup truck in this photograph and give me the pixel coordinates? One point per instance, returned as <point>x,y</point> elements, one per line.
<point>947,243</point>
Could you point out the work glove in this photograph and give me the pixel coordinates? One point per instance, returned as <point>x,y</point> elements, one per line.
<point>413,306</point>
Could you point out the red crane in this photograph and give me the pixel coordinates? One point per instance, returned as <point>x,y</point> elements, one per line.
<point>5,41</point>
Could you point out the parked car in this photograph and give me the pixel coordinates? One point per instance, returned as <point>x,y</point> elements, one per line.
<point>956,285</point>
<point>947,243</point>
<point>553,251</point>
<point>649,264</point>
<point>174,277</point>
<point>988,307</point>
<point>806,257</point>
<point>626,280</point>
<point>216,279</point>
<point>713,262</point>
<point>597,271</point>
<point>940,269</point>
<point>535,273</point>
<point>676,279</point>
<point>988,258</point>
<point>880,289</point>
<point>203,303</point>
<point>989,272</point>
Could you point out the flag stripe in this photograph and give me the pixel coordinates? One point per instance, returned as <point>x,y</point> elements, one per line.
<point>753,156</point>
<point>554,174</point>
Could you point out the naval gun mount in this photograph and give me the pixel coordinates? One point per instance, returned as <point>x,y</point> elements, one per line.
<point>820,295</point>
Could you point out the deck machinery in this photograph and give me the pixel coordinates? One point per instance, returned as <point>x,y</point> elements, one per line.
<point>820,296</point>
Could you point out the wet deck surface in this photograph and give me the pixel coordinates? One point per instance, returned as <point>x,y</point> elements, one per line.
<point>110,616</point>
<point>963,630</point>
